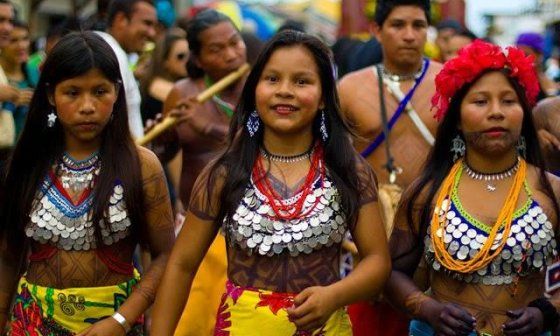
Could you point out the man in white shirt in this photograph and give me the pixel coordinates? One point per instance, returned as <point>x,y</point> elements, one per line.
<point>131,23</point>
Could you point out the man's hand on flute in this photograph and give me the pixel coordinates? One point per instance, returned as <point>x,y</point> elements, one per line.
<point>185,112</point>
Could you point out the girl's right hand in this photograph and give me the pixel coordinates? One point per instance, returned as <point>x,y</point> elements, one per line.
<point>450,319</point>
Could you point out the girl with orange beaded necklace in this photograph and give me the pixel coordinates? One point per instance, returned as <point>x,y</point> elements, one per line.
<point>484,212</point>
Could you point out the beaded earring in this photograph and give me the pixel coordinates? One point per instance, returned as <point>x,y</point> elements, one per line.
<point>522,147</point>
<point>253,123</point>
<point>458,148</point>
<point>323,127</point>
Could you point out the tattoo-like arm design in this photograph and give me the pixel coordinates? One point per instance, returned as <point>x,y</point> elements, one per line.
<point>159,239</point>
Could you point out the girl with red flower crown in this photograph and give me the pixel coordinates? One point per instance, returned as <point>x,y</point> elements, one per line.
<point>483,213</point>
<point>285,192</point>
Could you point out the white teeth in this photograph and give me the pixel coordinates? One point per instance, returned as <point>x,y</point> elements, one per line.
<point>285,108</point>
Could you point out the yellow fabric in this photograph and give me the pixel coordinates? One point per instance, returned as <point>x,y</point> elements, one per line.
<point>71,307</point>
<point>248,318</point>
<point>199,315</point>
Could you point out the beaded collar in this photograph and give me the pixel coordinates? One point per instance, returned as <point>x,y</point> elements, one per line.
<point>402,78</point>
<point>255,229</point>
<point>530,247</point>
<point>55,219</point>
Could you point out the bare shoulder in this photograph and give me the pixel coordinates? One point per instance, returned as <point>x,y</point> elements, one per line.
<point>534,178</point>
<point>149,162</point>
<point>433,71</point>
<point>354,79</point>
<point>186,87</point>
<point>547,106</point>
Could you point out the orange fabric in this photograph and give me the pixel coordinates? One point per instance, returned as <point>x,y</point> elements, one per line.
<point>199,316</point>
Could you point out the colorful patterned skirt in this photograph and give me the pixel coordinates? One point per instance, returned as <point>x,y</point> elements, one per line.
<point>254,312</point>
<point>45,311</point>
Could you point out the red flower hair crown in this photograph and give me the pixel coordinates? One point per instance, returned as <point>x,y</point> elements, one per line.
<point>475,58</point>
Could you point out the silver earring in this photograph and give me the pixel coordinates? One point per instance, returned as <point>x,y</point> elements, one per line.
<point>253,123</point>
<point>458,148</point>
<point>522,147</point>
<point>51,119</point>
<point>323,127</point>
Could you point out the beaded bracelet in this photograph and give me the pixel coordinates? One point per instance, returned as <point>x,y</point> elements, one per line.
<point>549,312</point>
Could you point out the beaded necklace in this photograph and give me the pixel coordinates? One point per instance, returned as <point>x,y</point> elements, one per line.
<point>284,210</point>
<point>287,158</point>
<point>489,178</point>
<point>486,253</point>
<point>78,175</point>
<point>401,78</point>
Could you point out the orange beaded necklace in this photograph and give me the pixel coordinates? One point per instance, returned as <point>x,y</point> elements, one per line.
<point>485,255</point>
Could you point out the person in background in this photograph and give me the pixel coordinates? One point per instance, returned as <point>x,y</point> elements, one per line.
<point>13,60</point>
<point>445,30</point>
<point>168,64</point>
<point>461,39</point>
<point>7,92</point>
<point>216,49</point>
<point>533,44</point>
<point>407,83</point>
<point>131,24</point>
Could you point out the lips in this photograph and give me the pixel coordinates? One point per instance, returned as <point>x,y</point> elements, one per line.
<point>495,131</point>
<point>87,126</point>
<point>284,108</point>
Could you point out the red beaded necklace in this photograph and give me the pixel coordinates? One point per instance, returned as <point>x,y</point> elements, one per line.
<point>290,211</point>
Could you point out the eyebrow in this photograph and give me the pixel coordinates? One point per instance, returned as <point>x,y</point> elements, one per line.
<point>299,73</point>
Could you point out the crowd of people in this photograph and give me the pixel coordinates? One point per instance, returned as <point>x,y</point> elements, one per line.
<point>437,176</point>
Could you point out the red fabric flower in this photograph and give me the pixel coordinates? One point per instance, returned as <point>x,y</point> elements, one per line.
<point>471,61</point>
<point>276,301</point>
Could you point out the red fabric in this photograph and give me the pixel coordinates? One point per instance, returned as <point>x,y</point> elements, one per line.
<point>379,319</point>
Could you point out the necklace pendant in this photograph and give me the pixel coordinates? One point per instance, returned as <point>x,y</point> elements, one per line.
<point>490,187</point>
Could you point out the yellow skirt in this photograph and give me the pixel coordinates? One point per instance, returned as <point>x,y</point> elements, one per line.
<point>206,292</point>
<point>45,311</point>
<point>255,312</point>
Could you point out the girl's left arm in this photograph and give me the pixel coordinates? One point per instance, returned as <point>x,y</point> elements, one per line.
<point>160,236</point>
<point>158,242</point>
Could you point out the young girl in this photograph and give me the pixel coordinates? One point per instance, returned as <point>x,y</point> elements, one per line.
<point>79,197</point>
<point>285,192</point>
<point>484,213</point>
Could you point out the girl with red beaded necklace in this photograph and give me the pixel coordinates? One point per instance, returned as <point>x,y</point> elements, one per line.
<point>285,192</point>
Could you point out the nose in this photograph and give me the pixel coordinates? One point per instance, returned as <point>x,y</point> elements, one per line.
<point>151,32</point>
<point>496,111</point>
<point>284,89</point>
<point>409,33</point>
<point>87,105</point>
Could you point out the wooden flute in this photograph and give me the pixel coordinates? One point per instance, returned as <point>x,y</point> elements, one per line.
<point>167,122</point>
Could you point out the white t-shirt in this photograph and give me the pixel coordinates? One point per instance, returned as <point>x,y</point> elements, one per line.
<point>132,92</point>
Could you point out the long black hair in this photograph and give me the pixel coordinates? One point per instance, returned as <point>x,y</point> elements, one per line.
<point>242,150</point>
<point>39,146</point>
<point>440,161</point>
